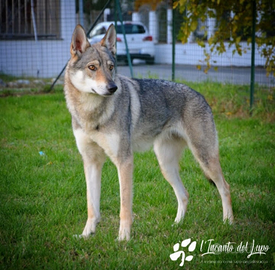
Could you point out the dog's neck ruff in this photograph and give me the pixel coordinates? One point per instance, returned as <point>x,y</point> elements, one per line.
<point>87,108</point>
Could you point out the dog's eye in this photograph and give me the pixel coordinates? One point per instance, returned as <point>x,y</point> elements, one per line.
<point>92,67</point>
<point>111,67</point>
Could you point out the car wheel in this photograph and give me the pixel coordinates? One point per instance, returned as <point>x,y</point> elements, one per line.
<point>126,61</point>
<point>150,61</point>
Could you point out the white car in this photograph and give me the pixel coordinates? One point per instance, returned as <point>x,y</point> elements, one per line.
<point>140,43</point>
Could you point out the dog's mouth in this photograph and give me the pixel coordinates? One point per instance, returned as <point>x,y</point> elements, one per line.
<point>93,91</point>
<point>111,89</point>
<point>107,94</point>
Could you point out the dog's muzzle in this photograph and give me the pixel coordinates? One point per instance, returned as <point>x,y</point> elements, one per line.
<point>111,88</point>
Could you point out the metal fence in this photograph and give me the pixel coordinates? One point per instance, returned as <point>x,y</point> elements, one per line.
<point>35,40</point>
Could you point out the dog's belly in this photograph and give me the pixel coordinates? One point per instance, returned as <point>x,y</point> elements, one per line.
<point>142,144</point>
<point>143,141</point>
<point>144,136</point>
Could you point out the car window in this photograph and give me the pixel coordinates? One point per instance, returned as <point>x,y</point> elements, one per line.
<point>98,31</point>
<point>131,29</point>
<point>138,29</point>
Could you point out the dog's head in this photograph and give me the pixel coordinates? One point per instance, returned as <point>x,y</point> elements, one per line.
<point>91,68</point>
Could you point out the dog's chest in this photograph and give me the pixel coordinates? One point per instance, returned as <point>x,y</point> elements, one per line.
<point>93,113</point>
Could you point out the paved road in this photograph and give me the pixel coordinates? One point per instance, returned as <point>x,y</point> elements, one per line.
<point>234,75</point>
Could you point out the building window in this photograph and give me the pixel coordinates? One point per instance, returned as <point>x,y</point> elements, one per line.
<point>30,19</point>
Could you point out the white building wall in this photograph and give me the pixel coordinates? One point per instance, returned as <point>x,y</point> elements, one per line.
<point>44,58</point>
<point>135,17</point>
<point>192,54</point>
<point>153,25</point>
<point>211,22</point>
<point>169,26</point>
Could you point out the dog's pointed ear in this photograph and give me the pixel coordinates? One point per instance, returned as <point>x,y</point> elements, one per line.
<point>109,40</point>
<point>79,42</point>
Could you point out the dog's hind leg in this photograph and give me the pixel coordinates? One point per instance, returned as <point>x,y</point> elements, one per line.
<point>204,146</point>
<point>213,171</point>
<point>168,152</point>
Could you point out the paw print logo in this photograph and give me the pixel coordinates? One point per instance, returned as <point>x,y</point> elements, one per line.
<point>177,253</point>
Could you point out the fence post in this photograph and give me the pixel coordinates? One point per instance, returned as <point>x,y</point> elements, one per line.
<point>115,10</point>
<point>173,41</point>
<point>124,35</point>
<point>81,16</point>
<point>252,80</point>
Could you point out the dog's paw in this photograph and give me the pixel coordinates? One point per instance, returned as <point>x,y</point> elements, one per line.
<point>124,235</point>
<point>90,227</point>
<point>81,236</point>
<point>229,220</point>
<point>124,231</point>
<point>181,212</point>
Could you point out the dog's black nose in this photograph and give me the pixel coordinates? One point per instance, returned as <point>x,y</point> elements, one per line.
<point>112,88</point>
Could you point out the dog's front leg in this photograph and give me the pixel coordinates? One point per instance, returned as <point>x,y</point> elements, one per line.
<point>93,181</point>
<point>93,158</point>
<point>125,171</point>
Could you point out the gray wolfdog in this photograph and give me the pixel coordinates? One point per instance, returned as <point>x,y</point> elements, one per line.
<point>114,116</point>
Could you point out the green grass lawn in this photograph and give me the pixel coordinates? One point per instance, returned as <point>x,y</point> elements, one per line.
<point>43,192</point>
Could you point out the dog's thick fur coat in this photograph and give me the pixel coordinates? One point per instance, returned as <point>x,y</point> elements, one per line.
<point>114,116</point>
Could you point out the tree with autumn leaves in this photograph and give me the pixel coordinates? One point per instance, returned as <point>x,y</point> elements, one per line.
<point>233,24</point>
